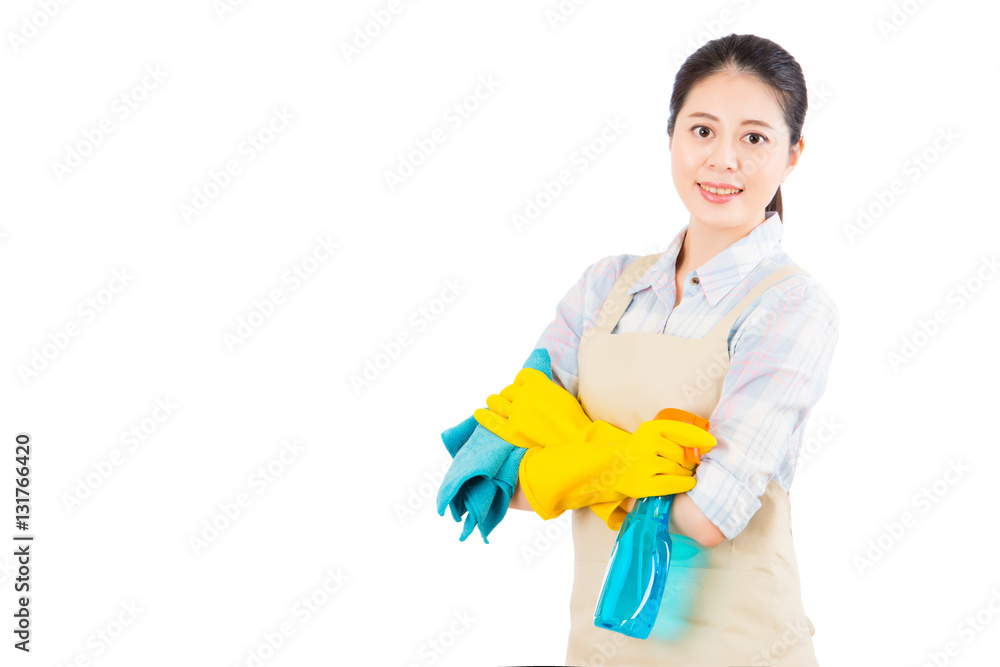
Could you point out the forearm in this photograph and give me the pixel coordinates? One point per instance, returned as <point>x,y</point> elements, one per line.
<point>690,522</point>
<point>518,501</point>
<point>684,514</point>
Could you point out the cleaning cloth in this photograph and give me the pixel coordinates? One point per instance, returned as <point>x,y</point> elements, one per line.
<point>483,473</point>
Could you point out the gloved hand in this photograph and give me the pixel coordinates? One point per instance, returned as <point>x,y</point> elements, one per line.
<point>614,513</point>
<point>535,411</point>
<point>649,462</point>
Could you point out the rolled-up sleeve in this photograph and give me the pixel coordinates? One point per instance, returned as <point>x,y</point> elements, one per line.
<point>780,359</point>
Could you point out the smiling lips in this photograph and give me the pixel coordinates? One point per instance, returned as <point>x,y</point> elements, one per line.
<point>719,193</point>
<point>720,188</point>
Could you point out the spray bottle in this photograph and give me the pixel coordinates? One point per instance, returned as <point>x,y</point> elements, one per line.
<point>637,570</point>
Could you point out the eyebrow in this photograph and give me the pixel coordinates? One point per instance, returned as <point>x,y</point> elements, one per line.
<point>702,114</point>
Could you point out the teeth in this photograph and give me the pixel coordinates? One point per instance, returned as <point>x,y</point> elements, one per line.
<point>726,191</point>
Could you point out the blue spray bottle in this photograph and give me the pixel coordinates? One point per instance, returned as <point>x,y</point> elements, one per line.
<point>637,570</point>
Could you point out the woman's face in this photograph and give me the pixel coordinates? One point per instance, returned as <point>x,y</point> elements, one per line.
<point>730,131</point>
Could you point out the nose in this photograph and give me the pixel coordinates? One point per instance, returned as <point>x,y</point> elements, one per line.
<point>723,156</point>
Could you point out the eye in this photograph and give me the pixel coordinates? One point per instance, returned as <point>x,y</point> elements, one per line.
<point>761,139</point>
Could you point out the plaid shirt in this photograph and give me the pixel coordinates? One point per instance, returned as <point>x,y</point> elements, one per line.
<point>780,352</point>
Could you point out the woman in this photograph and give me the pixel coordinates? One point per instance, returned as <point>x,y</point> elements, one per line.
<point>722,324</point>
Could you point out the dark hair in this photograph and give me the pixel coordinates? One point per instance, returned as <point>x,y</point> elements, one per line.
<point>754,56</point>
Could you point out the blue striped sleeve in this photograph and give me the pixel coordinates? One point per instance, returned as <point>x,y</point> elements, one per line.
<point>781,356</point>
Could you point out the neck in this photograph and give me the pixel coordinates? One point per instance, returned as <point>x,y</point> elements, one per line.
<point>703,242</point>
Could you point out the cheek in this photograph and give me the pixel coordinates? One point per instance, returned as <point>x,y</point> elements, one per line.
<point>683,163</point>
<point>763,168</point>
<point>675,165</point>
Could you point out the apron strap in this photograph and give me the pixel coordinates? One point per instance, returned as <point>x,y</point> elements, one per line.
<point>722,329</point>
<point>617,300</point>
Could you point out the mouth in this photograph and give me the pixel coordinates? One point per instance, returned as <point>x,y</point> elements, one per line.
<point>719,195</point>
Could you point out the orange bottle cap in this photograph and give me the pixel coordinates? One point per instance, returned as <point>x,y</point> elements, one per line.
<point>679,415</point>
<point>682,416</point>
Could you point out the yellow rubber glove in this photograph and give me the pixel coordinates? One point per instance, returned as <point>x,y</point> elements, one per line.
<point>536,412</point>
<point>614,513</point>
<point>649,462</point>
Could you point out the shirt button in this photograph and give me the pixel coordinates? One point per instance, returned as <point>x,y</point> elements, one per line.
<point>695,281</point>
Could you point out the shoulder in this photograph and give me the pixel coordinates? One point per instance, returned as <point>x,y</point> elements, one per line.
<point>601,275</point>
<point>609,267</point>
<point>592,287</point>
<point>798,288</point>
<point>803,290</point>
<point>800,297</point>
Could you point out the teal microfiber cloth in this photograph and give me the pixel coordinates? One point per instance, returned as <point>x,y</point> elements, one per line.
<point>483,473</point>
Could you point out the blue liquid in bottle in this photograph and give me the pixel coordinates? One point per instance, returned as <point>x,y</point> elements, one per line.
<point>637,571</point>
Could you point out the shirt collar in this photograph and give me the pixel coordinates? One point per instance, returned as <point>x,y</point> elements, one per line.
<point>722,273</point>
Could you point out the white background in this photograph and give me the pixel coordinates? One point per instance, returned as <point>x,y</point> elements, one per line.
<point>358,500</point>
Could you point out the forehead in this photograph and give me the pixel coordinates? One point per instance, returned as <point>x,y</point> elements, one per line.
<point>733,98</point>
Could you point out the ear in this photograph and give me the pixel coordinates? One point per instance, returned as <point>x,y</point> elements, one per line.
<point>793,158</point>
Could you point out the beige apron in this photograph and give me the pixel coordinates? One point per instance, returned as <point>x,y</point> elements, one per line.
<point>744,604</point>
